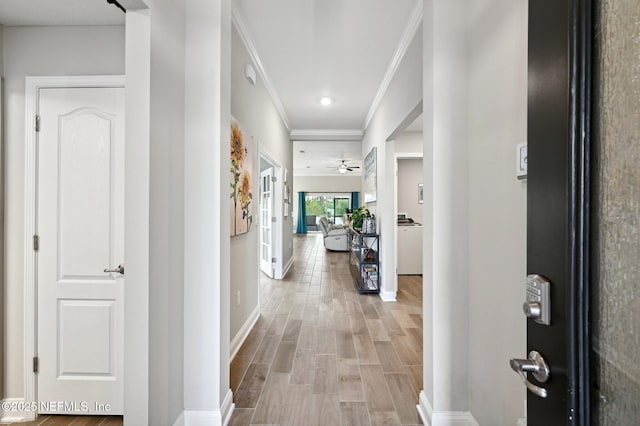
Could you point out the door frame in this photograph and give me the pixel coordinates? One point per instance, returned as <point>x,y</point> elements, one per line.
<point>277,198</point>
<point>33,85</point>
<point>401,156</point>
<point>272,265</point>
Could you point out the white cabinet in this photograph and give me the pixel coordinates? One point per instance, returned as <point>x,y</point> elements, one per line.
<point>410,250</point>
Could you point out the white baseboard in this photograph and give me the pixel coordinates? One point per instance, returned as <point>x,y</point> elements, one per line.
<point>242,334</point>
<point>201,418</point>
<point>388,296</point>
<point>453,418</point>
<point>286,268</point>
<point>219,417</point>
<point>13,416</point>
<point>12,419</point>
<point>180,420</point>
<point>443,418</point>
<point>227,408</point>
<point>424,409</point>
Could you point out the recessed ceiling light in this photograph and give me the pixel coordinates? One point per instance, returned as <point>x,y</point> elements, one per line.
<point>325,101</point>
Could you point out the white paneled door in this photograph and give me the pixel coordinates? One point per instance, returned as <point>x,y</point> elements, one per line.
<point>80,226</point>
<point>266,221</point>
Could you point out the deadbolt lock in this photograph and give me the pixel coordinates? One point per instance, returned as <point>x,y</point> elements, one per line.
<point>538,303</point>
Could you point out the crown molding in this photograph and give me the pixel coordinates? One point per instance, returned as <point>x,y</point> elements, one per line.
<point>326,135</point>
<point>240,23</point>
<point>407,36</point>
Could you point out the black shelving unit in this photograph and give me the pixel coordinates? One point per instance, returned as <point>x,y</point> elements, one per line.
<point>364,261</point>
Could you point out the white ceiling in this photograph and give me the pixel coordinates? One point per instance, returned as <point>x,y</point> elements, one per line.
<point>321,158</point>
<point>337,48</point>
<point>345,49</point>
<point>59,12</point>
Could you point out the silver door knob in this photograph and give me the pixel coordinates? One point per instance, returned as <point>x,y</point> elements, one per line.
<point>536,365</point>
<point>119,269</point>
<point>532,309</point>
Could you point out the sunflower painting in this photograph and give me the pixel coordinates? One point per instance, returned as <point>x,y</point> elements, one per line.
<point>241,167</point>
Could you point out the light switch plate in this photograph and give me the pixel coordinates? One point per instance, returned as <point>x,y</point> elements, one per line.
<point>521,161</point>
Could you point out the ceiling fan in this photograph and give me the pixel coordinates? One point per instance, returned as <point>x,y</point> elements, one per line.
<point>343,167</point>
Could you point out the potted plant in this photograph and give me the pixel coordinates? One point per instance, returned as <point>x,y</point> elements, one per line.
<point>358,216</point>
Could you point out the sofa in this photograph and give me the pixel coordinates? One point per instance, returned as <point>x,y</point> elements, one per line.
<point>335,236</point>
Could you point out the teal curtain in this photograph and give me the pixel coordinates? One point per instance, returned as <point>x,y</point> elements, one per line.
<point>354,200</point>
<point>302,214</point>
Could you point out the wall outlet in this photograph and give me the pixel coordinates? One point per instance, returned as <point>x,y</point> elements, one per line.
<point>238,298</point>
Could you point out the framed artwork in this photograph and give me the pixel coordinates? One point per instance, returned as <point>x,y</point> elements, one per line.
<point>420,193</point>
<point>370,177</point>
<point>241,160</point>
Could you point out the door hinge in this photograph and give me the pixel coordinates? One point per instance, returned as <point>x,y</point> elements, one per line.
<point>274,260</point>
<point>36,243</point>
<point>36,361</point>
<point>37,123</point>
<point>274,219</point>
<point>274,178</point>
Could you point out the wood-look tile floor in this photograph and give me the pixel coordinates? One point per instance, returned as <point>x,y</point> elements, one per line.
<point>321,354</point>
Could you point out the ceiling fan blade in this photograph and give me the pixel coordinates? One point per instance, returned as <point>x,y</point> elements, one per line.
<point>355,167</point>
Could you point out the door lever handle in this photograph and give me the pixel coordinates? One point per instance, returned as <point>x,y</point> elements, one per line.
<point>119,269</point>
<point>536,365</point>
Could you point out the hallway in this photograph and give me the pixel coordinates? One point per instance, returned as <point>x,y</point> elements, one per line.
<point>321,354</point>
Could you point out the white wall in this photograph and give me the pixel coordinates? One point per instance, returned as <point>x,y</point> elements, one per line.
<point>166,212</point>
<point>409,176</point>
<point>254,110</point>
<point>2,204</point>
<point>207,397</point>
<point>450,233</point>
<point>474,115</point>
<point>403,94</point>
<point>38,51</point>
<point>323,184</point>
<point>136,221</point>
<point>409,143</point>
<point>497,110</point>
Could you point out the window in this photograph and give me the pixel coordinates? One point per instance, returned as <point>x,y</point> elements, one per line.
<point>331,206</point>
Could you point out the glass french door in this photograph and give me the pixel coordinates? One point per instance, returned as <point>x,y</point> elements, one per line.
<point>266,222</point>
<point>332,206</point>
<point>340,206</point>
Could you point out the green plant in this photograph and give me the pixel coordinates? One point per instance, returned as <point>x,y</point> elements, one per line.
<point>358,216</point>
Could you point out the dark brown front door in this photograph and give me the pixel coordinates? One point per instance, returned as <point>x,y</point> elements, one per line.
<point>558,205</point>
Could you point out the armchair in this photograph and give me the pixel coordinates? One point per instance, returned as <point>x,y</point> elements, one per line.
<point>335,236</point>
